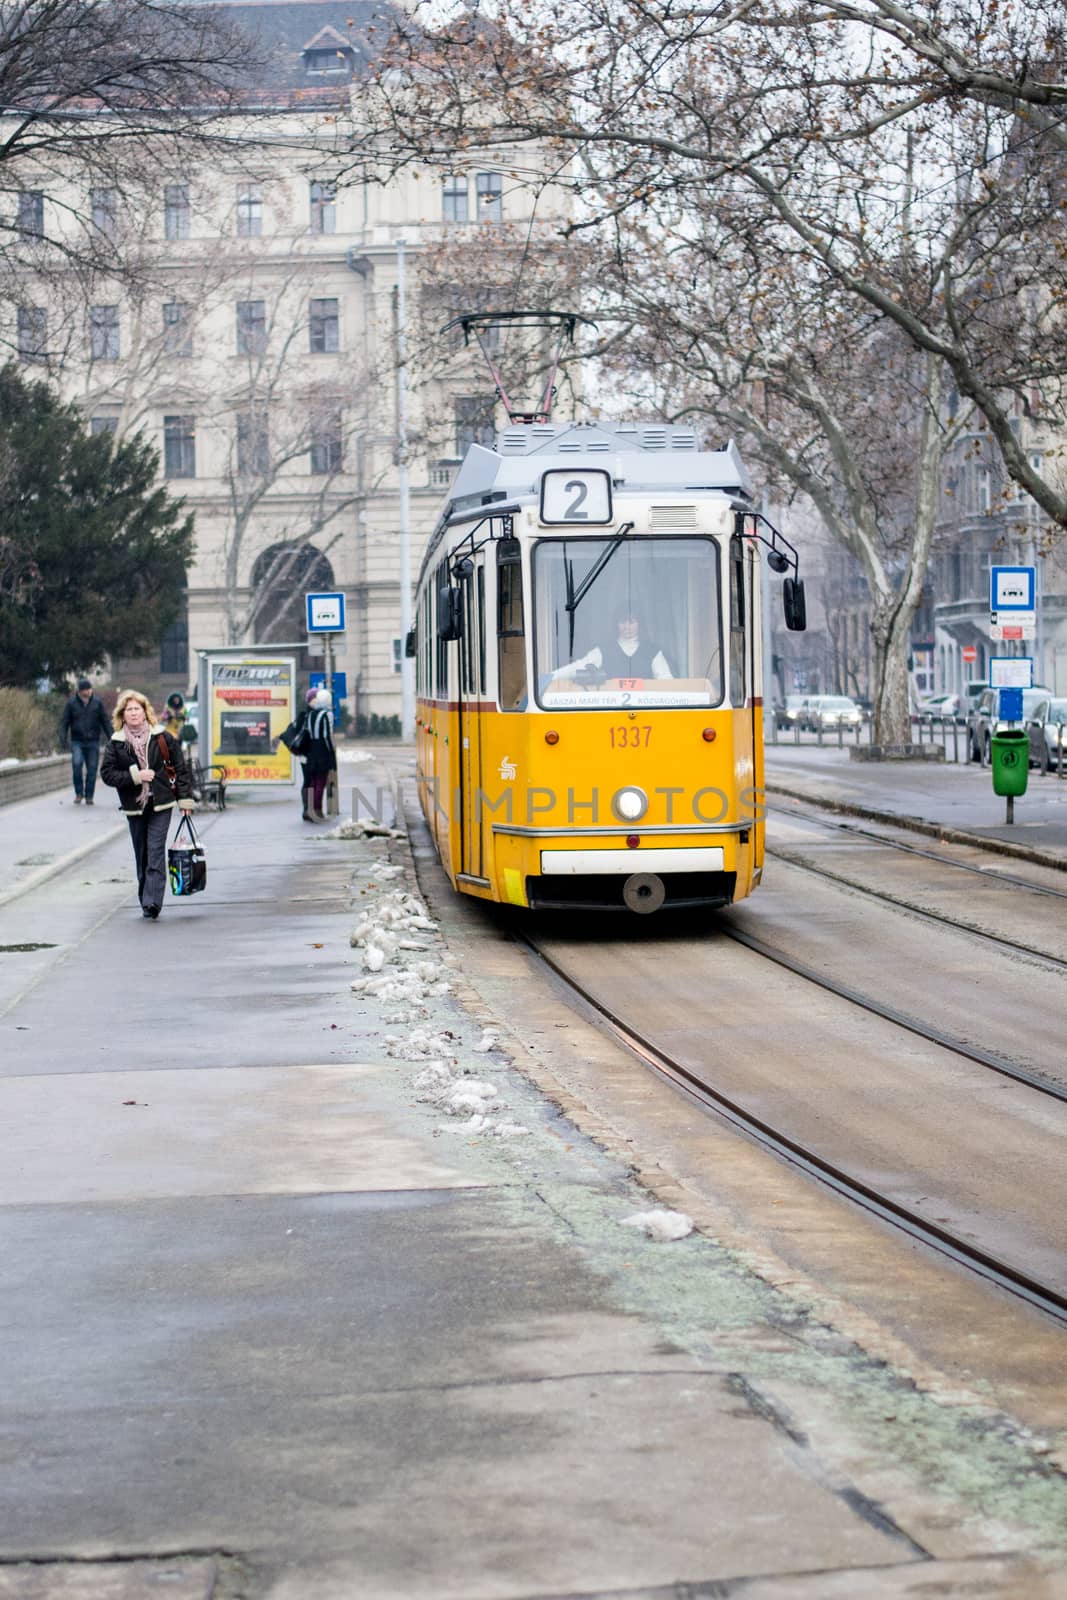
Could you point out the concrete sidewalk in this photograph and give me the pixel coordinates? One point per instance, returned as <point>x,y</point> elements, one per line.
<point>308,1291</point>
<point>49,833</point>
<point>947,797</point>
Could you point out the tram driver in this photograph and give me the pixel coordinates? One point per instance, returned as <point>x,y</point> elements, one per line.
<point>628,656</point>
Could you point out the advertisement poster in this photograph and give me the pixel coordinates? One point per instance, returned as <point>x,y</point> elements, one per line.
<point>250,702</point>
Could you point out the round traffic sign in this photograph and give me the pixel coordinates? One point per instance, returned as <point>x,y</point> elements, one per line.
<point>969,652</point>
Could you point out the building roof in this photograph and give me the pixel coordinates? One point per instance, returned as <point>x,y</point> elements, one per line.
<point>307,49</point>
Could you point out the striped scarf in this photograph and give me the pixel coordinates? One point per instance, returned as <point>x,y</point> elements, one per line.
<point>139,741</point>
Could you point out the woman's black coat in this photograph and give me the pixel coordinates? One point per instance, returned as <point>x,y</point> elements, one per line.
<point>320,755</point>
<point>120,756</point>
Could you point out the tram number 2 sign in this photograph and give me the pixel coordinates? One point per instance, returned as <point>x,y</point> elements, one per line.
<point>582,496</point>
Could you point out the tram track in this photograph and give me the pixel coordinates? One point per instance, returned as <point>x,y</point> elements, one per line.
<point>959,1047</point>
<point>987,874</point>
<point>831,1173</point>
<point>924,913</point>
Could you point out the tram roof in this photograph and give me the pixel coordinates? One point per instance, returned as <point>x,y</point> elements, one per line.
<point>639,455</point>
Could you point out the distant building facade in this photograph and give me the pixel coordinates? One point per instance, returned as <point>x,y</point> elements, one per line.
<point>985,521</point>
<point>262,359</point>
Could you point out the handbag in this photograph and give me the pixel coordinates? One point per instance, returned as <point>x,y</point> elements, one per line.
<point>187,863</point>
<point>300,743</point>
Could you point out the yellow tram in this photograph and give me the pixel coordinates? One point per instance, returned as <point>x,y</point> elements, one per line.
<point>589,670</point>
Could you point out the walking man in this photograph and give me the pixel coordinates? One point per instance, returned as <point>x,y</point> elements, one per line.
<point>85,723</point>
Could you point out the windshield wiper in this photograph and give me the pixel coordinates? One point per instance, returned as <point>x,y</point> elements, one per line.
<point>596,569</point>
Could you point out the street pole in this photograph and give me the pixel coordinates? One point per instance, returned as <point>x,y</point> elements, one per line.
<point>407,666</point>
<point>333,799</point>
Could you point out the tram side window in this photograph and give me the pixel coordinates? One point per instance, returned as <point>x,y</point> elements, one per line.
<point>511,631</point>
<point>469,685</point>
<point>441,674</point>
<point>481,630</point>
<point>737,623</point>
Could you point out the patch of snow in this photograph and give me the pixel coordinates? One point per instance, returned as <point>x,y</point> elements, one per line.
<point>660,1226</point>
<point>362,828</point>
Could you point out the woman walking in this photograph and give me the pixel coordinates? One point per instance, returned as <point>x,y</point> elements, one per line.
<point>321,757</point>
<point>297,738</point>
<point>144,763</point>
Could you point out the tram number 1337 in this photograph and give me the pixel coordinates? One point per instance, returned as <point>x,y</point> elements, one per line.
<point>636,736</point>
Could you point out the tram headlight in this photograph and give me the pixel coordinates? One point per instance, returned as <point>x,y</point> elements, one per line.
<point>630,804</point>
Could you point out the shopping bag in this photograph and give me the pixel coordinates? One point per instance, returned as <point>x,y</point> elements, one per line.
<point>186,861</point>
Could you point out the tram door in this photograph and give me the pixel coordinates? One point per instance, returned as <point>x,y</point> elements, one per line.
<point>743,643</point>
<point>471,695</point>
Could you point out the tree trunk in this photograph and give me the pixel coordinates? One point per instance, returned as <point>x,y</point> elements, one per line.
<point>891,628</point>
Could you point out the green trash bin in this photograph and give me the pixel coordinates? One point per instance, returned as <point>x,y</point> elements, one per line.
<point>1011,761</point>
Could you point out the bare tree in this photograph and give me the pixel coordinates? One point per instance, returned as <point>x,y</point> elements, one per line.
<point>296,466</point>
<point>102,107</point>
<point>833,132</point>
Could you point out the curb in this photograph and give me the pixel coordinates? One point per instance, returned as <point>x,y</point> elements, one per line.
<point>61,863</point>
<point>933,830</point>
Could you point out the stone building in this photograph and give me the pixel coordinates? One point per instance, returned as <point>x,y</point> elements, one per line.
<point>259,352</point>
<point>985,521</point>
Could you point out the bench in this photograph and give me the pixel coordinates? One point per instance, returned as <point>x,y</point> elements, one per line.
<point>209,784</point>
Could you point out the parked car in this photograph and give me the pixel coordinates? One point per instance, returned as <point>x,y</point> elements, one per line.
<point>940,705</point>
<point>787,712</point>
<point>1044,731</point>
<point>830,711</point>
<point>985,719</point>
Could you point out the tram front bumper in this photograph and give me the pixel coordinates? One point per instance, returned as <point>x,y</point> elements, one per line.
<point>574,863</point>
<point>632,880</point>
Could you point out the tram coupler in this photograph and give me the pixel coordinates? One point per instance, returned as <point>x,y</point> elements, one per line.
<point>644,892</point>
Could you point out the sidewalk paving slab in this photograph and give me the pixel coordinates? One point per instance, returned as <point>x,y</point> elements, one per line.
<point>261,1297</point>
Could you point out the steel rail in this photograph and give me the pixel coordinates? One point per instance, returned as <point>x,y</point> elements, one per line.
<point>985,873</point>
<point>1012,1279</point>
<point>1057,962</point>
<point>901,1019</point>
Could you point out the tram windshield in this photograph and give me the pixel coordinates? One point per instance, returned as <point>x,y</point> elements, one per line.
<point>644,631</point>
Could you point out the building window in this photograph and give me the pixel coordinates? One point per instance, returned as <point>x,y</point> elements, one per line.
<point>327,445</point>
<point>32,333</point>
<point>324,208</point>
<point>103,425</point>
<point>454,198</point>
<point>490,190</point>
<point>104,205</point>
<point>335,62</point>
<point>174,649</point>
<point>104,333</point>
<point>323,326</point>
<point>253,443</point>
<point>398,659</point>
<point>249,211</point>
<point>179,447</point>
<point>251,327</point>
<point>176,211</point>
<point>474,421</point>
<point>177,329</point>
<point>30,218</point>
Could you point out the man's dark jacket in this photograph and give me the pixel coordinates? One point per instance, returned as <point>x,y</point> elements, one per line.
<point>84,721</point>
